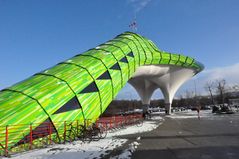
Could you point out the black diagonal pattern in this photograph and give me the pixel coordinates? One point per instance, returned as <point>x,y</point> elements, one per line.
<point>44,129</point>
<point>90,88</point>
<point>124,59</point>
<point>115,66</point>
<point>130,54</point>
<point>104,76</point>
<point>72,104</point>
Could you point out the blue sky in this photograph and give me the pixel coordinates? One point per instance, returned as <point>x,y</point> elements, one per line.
<point>36,34</point>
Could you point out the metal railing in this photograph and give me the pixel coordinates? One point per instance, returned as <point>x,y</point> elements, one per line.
<point>19,138</point>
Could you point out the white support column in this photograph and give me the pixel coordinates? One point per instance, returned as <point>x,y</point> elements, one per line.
<point>145,89</point>
<point>168,98</point>
<point>169,83</point>
<point>166,77</point>
<point>167,108</point>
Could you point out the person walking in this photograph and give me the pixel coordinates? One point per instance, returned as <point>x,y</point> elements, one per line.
<point>198,111</point>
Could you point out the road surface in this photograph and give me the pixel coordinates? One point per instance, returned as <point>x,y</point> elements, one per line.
<point>212,137</point>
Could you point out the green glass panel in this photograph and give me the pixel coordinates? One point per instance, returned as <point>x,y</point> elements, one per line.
<point>41,95</point>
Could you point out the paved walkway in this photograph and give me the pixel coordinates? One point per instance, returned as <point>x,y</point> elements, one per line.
<point>215,137</point>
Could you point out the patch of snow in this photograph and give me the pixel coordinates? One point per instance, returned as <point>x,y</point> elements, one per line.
<point>74,150</point>
<point>191,114</point>
<point>147,126</point>
<point>157,117</point>
<point>94,149</point>
<point>158,113</point>
<point>128,152</point>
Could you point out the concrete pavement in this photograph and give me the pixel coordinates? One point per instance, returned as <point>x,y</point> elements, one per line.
<point>212,137</point>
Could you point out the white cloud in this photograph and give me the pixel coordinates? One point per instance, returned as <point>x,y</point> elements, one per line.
<point>139,5</point>
<point>229,73</point>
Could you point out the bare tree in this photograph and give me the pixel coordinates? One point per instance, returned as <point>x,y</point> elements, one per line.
<point>209,86</point>
<point>221,88</point>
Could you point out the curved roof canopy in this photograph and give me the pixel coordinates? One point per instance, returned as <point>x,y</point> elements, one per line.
<point>83,86</point>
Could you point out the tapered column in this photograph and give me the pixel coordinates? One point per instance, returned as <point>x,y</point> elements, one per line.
<point>145,89</point>
<point>167,108</point>
<point>166,77</point>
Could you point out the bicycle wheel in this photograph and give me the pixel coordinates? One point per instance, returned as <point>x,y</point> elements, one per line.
<point>139,123</point>
<point>95,134</point>
<point>86,136</point>
<point>80,131</point>
<point>56,139</point>
<point>70,136</point>
<point>2,146</point>
<point>103,133</point>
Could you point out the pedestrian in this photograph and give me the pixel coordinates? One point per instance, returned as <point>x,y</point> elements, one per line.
<point>198,111</point>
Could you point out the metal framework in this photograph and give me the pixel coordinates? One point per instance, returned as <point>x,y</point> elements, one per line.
<point>37,98</point>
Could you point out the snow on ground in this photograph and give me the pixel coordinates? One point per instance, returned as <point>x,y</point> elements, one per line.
<point>75,150</point>
<point>191,114</point>
<point>156,117</point>
<point>127,152</point>
<point>147,126</point>
<point>94,149</point>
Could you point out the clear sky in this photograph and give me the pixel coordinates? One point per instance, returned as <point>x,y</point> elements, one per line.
<point>36,34</point>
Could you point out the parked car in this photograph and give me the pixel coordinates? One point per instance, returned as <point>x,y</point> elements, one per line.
<point>222,109</point>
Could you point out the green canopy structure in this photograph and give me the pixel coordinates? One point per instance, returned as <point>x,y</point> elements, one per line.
<point>83,86</point>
